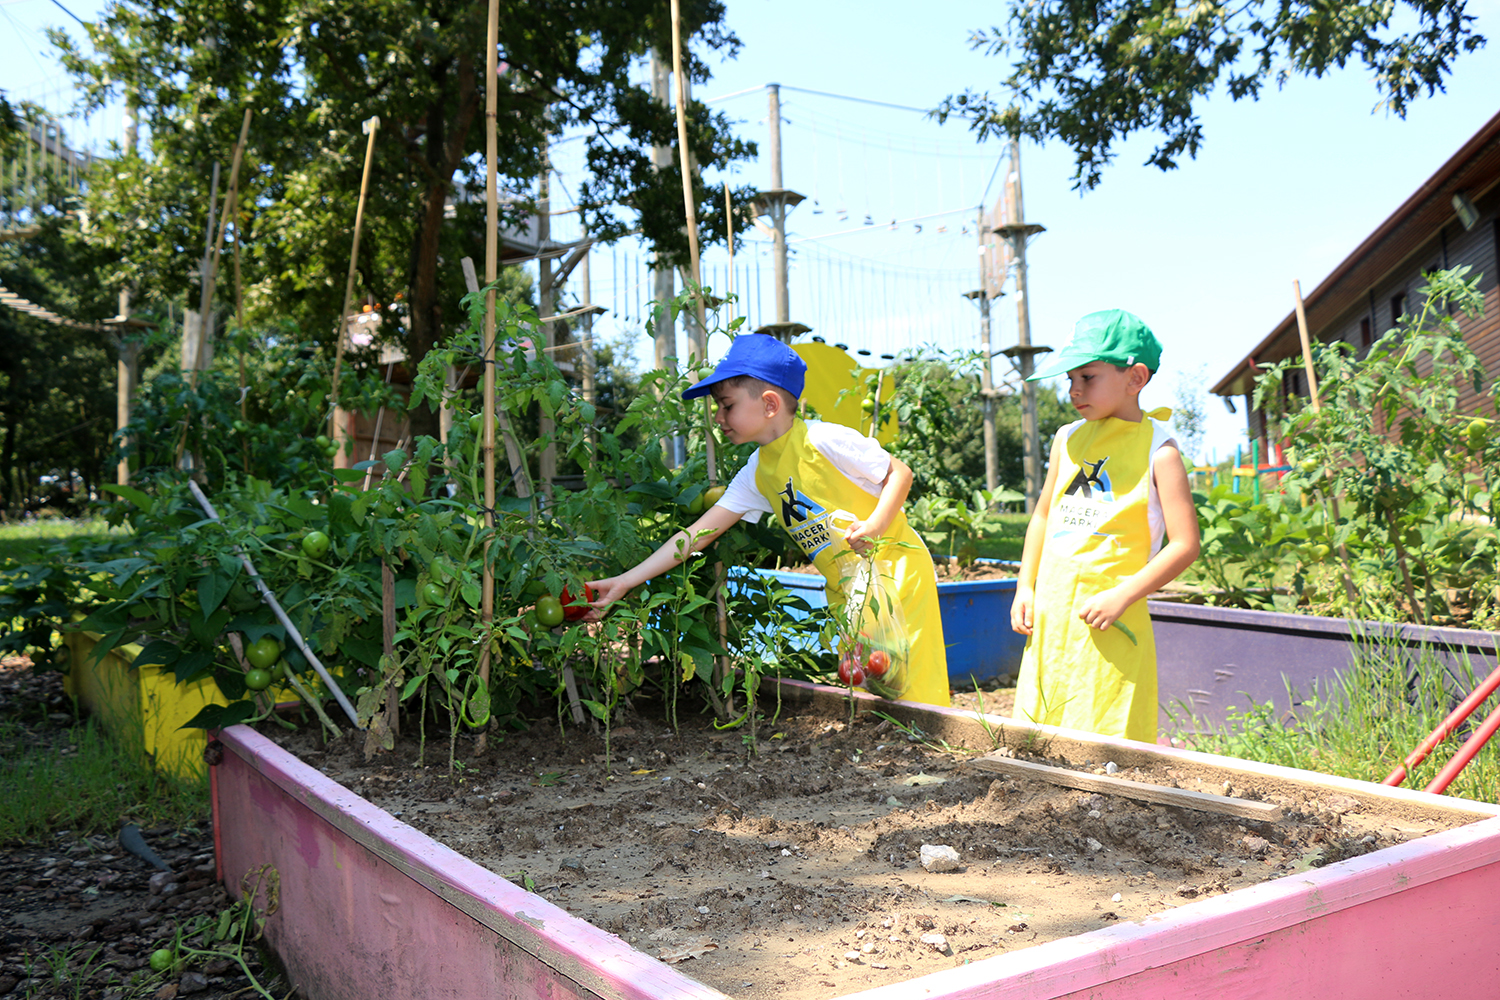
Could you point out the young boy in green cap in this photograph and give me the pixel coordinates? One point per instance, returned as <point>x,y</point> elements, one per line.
<point>834,490</point>
<point>1094,548</point>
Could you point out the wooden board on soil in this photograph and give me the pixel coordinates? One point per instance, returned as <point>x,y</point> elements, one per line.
<point>796,872</point>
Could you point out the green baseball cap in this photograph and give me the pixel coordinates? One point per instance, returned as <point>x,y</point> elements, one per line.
<point>1113,335</point>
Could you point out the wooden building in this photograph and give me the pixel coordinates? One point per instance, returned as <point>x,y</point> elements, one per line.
<point>1451,220</point>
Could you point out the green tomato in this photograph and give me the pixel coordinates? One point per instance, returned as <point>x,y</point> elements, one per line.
<point>322,441</point>
<point>315,544</point>
<point>1308,465</point>
<point>331,451</point>
<point>434,595</point>
<point>263,652</point>
<point>549,611</point>
<point>279,671</point>
<point>712,495</point>
<point>162,959</point>
<point>476,422</point>
<point>240,427</point>
<point>257,680</point>
<point>440,569</point>
<point>867,404</point>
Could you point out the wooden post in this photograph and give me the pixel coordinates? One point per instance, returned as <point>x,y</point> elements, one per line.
<point>369,126</point>
<point>491,272</point>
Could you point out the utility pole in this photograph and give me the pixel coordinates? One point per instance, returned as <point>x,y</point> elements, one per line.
<point>1023,354</point>
<point>986,374</point>
<point>776,203</point>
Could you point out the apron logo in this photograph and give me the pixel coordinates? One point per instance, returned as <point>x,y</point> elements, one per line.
<point>795,505</point>
<point>1085,482</point>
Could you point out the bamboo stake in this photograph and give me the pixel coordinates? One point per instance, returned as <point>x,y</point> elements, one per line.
<point>1312,388</point>
<point>491,261</point>
<point>1307,359</point>
<point>690,210</point>
<point>210,279</point>
<point>239,322</point>
<point>369,126</point>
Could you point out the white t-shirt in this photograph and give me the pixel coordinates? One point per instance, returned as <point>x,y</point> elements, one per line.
<point>861,459</point>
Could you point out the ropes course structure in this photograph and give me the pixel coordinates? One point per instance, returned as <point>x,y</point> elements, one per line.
<point>41,178</point>
<point>881,253</point>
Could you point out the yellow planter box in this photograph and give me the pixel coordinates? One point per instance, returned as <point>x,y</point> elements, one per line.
<point>133,698</point>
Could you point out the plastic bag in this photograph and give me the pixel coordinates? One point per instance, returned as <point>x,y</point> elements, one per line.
<point>873,645</point>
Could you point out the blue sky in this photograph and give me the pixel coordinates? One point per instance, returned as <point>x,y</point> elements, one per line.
<point>1284,188</point>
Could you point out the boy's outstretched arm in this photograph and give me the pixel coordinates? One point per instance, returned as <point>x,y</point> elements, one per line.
<point>1181,548</point>
<point>1022,613</point>
<point>699,536</point>
<point>893,492</point>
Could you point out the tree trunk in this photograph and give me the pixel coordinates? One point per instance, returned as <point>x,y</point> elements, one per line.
<point>444,144</point>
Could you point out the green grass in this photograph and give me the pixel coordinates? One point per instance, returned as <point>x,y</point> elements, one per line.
<point>1363,726</point>
<point>1005,542</point>
<point>86,781</point>
<point>24,541</point>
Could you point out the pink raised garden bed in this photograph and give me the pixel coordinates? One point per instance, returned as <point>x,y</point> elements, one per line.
<point>370,907</point>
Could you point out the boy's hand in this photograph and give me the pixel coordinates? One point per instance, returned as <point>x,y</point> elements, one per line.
<point>860,535</point>
<point>1020,610</point>
<point>1103,609</point>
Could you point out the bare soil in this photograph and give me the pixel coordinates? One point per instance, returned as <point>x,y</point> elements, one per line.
<point>796,872</point>
<point>79,914</point>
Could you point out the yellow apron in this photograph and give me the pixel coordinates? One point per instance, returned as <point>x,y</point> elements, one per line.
<point>1072,674</point>
<point>815,503</point>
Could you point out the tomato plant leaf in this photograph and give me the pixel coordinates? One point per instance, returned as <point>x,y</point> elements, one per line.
<point>220,716</point>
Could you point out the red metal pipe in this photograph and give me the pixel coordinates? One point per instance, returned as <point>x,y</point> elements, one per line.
<point>1445,729</point>
<point>1465,753</point>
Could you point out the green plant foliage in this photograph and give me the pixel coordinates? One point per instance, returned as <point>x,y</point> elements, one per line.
<point>1404,481</point>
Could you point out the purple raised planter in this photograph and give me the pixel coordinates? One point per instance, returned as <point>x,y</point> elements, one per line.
<point>1212,659</point>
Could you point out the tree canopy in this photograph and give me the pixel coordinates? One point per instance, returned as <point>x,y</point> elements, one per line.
<point>312,73</point>
<point>1094,73</point>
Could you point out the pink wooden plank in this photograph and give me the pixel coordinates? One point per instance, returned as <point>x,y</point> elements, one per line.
<point>372,907</point>
<point>1416,920</point>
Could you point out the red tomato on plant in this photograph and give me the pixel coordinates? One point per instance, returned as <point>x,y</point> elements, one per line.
<point>851,674</point>
<point>878,663</point>
<point>572,612</point>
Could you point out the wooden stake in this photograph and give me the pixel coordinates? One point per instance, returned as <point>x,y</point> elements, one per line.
<point>1307,358</point>
<point>369,126</point>
<point>210,278</point>
<point>1312,390</point>
<point>491,272</point>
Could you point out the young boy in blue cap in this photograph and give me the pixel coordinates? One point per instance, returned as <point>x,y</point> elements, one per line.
<point>834,490</point>
<point>1094,547</point>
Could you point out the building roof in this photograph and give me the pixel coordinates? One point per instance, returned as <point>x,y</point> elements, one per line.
<point>1474,170</point>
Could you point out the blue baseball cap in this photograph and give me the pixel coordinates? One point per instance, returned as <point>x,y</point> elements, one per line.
<point>761,356</point>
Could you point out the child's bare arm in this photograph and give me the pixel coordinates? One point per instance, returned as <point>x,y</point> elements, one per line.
<point>1181,548</point>
<point>893,491</point>
<point>1022,608</point>
<point>699,536</point>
